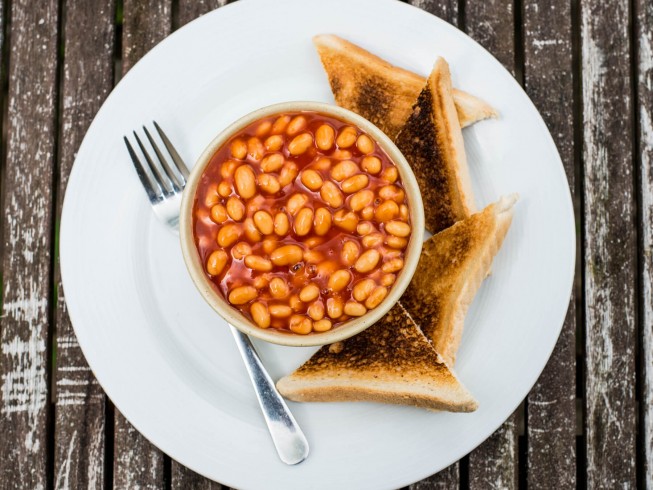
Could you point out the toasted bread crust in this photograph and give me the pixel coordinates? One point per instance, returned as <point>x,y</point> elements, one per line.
<point>451,268</point>
<point>390,362</point>
<point>381,92</point>
<point>432,142</point>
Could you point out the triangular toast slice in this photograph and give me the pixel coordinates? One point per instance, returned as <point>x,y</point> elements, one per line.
<point>451,268</point>
<point>379,91</point>
<point>432,142</point>
<point>390,362</point>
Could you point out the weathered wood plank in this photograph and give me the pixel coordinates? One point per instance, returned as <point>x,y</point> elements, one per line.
<point>610,252</point>
<point>192,9</point>
<point>27,239</point>
<point>445,9</point>
<point>137,463</point>
<point>644,39</point>
<point>80,402</point>
<point>494,463</point>
<point>548,80</point>
<point>185,479</point>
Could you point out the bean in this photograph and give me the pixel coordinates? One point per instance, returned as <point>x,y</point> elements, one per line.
<point>273,143</point>
<point>301,324</point>
<point>311,179</point>
<point>238,149</point>
<point>390,174</point>
<point>255,204</point>
<point>365,144</point>
<point>324,137</point>
<point>323,164</point>
<point>235,208</point>
<point>341,154</point>
<point>390,253</point>
<point>322,221</point>
<point>279,126</point>
<point>343,170</point>
<point>364,228</point>
<point>278,288</point>
<point>313,257</point>
<point>245,180</point>
<point>296,303</point>
<point>367,213</point>
<point>347,220</point>
<point>300,144</point>
<point>396,242</point>
<point>224,188</point>
<point>240,250</point>
<point>388,279</point>
<point>350,252</point>
<point>281,224</point>
<point>219,213</point>
<point>314,241</point>
<point>258,263</point>
<point>263,128</point>
<point>268,183</point>
<point>255,149</point>
<point>216,262</point>
<point>296,202</point>
<point>355,183</point>
<point>272,162</point>
<point>372,240</point>
<point>260,282</point>
<point>251,231</point>
<point>363,288</point>
<point>393,265</point>
<point>270,244</point>
<point>297,124</point>
<point>371,164</point>
<point>228,234</point>
<point>288,173</point>
<point>260,314</point>
<point>334,307</point>
<point>316,311</point>
<point>326,268</point>
<point>392,192</point>
<point>386,211</point>
<point>398,228</point>
<point>352,308</point>
<point>287,255</point>
<point>377,296</point>
<point>303,221</point>
<point>368,260</point>
<point>347,137</point>
<point>339,280</point>
<point>228,167</point>
<point>242,295</point>
<point>361,199</point>
<point>331,194</point>
<point>403,212</point>
<point>309,293</point>
<point>264,222</point>
<point>212,196</point>
<point>323,325</point>
<point>280,311</point>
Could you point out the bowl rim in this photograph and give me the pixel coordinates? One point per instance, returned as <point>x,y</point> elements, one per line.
<point>352,326</point>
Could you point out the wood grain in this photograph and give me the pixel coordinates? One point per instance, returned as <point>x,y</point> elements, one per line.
<point>610,252</point>
<point>192,9</point>
<point>27,241</point>
<point>137,463</point>
<point>449,477</point>
<point>80,402</point>
<point>644,43</point>
<point>494,463</point>
<point>551,429</point>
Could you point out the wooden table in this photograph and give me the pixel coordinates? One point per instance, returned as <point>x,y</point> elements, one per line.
<point>587,66</point>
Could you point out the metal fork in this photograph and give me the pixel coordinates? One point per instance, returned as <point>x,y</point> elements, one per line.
<point>164,184</point>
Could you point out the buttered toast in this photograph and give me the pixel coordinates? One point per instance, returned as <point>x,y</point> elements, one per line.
<point>380,92</point>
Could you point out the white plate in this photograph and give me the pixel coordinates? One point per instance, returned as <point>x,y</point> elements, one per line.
<point>167,360</point>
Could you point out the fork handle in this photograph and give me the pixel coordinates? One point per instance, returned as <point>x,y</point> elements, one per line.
<point>287,436</point>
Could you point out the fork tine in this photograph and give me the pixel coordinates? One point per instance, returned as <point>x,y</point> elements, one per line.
<point>162,180</point>
<point>172,175</point>
<point>173,153</point>
<point>152,189</point>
